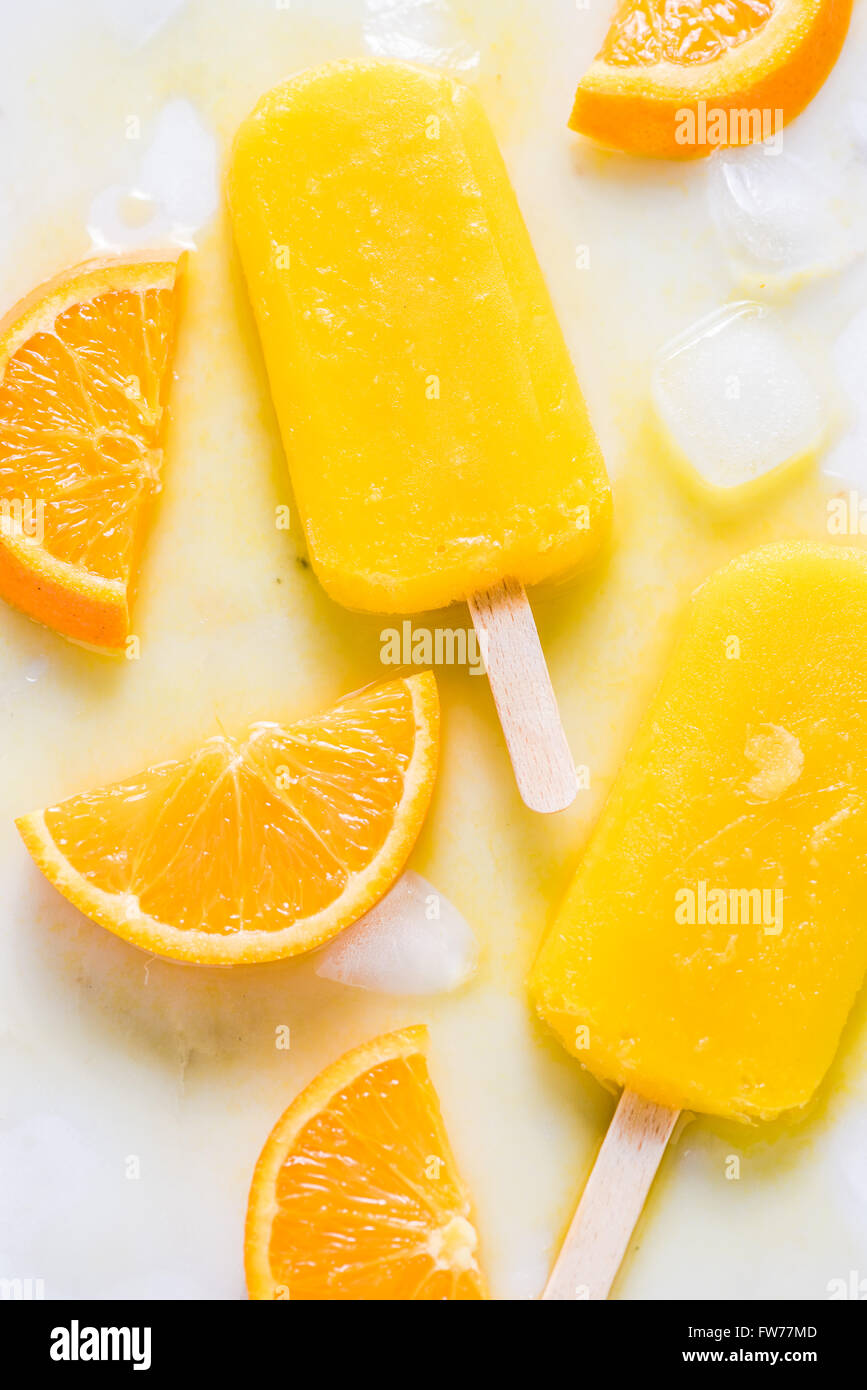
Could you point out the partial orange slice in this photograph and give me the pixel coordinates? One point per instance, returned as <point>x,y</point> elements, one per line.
<point>252,848</point>
<point>678,78</point>
<point>356,1194</point>
<point>84,374</point>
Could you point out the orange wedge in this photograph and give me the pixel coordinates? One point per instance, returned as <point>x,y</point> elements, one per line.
<point>356,1194</point>
<point>256,848</point>
<point>84,373</point>
<point>678,78</point>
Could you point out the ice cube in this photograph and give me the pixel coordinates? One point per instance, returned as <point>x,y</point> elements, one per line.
<point>735,398</point>
<point>780,218</point>
<point>179,167</point>
<point>173,192</point>
<point>418,31</point>
<point>412,942</point>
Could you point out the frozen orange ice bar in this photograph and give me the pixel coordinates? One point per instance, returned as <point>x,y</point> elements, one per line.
<point>437,438</point>
<point>715,935</point>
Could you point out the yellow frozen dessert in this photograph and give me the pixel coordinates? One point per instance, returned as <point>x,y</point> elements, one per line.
<point>436,434</point>
<point>715,935</point>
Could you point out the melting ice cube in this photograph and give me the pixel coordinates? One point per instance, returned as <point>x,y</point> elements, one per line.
<point>780,218</point>
<point>412,942</point>
<point>174,192</point>
<point>179,166</point>
<point>419,31</point>
<point>734,397</point>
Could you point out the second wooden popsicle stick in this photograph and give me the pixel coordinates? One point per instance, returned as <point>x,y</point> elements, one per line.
<point>612,1201</point>
<point>524,697</point>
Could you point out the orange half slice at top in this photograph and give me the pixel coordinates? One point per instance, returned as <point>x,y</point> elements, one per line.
<point>677,78</point>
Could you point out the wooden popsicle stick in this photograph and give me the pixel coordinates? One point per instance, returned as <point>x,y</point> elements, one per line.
<point>524,696</point>
<point>612,1200</point>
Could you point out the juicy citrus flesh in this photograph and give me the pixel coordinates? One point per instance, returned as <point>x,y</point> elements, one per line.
<point>80,413</point>
<point>676,79</point>
<point>84,375</point>
<point>357,1195</point>
<point>681,31</point>
<point>254,847</point>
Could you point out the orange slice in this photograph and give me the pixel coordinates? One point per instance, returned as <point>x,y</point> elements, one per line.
<point>256,848</point>
<point>356,1194</point>
<point>677,78</point>
<point>84,373</point>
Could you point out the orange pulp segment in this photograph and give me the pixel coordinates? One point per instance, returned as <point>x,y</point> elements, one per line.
<point>677,78</point>
<point>356,1194</point>
<point>256,848</point>
<point>84,373</point>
